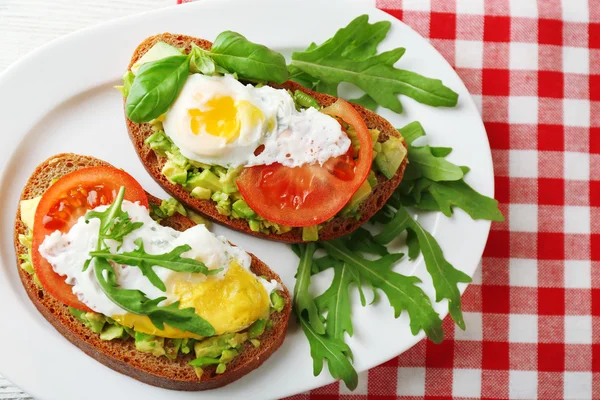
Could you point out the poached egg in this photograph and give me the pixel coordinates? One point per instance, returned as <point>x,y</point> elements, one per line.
<point>218,120</point>
<point>230,301</point>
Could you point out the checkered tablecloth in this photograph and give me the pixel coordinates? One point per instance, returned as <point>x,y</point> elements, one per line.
<point>533,311</point>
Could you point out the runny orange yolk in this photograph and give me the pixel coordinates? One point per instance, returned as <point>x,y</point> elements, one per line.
<point>230,304</point>
<point>224,117</point>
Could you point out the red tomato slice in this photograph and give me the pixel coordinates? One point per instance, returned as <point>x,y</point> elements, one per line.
<point>310,194</point>
<point>63,203</point>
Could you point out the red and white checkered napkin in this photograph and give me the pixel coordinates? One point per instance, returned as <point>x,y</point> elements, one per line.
<point>533,312</point>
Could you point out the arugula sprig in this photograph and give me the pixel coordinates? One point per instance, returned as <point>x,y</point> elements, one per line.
<point>324,345</point>
<point>116,224</point>
<point>444,276</point>
<point>158,83</point>
<point>433,183</point>
<point>401,291</point>
<point>350,56</point>
<point>145,262</point>
<point>136,302</point>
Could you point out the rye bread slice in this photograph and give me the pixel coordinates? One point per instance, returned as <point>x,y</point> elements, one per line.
<point>337,227</point>
<point>121,355</point>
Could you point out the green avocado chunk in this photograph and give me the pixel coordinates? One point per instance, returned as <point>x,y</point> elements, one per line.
<point>174,173</point>
<point>357,198</point>
<point>390,157</point>
<point>310,233</point>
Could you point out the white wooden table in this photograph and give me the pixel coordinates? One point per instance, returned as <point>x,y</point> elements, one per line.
<point>28,24</point>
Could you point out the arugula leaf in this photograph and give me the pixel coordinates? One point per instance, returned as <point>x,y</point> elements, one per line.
<point>332,62</point>
<point>460,194</point>
<point>444,276</point>
<point>411,132</point>
<point>115,223</point>
<point>435,184</point>
<point>235,53</point>
<point>412,241</point>
<point>303,301</point>
<point>156,86</point>
<point>432,167</point>
<point>144,261</point>
<point>362,240</point>
<point>336,301</point>
<point>335,351</point>
<point>401,291</point>
<point>366,101</point>
<point>136,302</point>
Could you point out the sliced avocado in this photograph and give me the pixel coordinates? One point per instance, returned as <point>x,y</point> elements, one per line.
<point>213,346</point>
<point>150,344</point>
<point>220,368</point>
<point>197,218</point>
<point>172,347</point>
<point>310,233</point>
<point>243,209</point>
<point>374,135</point>
<point>160,143</point>
<point>204,361</point>
<point>254,225</point>
<point>255,342</point>
<point>112,332</point>
<point>174,173</point>
<point>223,202</point>
<point>157,52</point>
<point>95,321</point>
<point>28,208</point>
<point>128,78</point>
<point>390,157</point>
<point>228,179</point>
<point>257,328</point>
<point>201,193</point>
<point>277,301</point>
<point>372,179</point>
<point>170,206</point>
<point>357,198</point>
<point>205,179</point>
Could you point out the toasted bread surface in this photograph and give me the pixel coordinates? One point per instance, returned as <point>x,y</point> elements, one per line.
<point>337,227</point>
<point>121,355</point>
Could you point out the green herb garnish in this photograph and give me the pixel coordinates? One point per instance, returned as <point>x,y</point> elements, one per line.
<point>145,261</point>
<point>349,57</point>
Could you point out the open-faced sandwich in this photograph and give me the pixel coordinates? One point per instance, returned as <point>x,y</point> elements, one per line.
<point>137,285</point>
<point>220,128</point>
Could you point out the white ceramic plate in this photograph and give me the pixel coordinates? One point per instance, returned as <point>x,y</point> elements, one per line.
<point>60,99</point>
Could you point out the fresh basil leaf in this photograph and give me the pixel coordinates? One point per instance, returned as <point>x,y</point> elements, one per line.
<point>401,290</point>
<point>145,262</point>
<point>303,301</point>
<point>155,88</point>
<point>136,302</point>
<point>335,351</point>
<point>235,53</point>
<point>366,101</point>
<point>376,75</point>
<point>444,276</point>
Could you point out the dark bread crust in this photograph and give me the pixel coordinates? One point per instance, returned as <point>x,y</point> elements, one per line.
<point>337,227</point>
<point>121,355</point>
